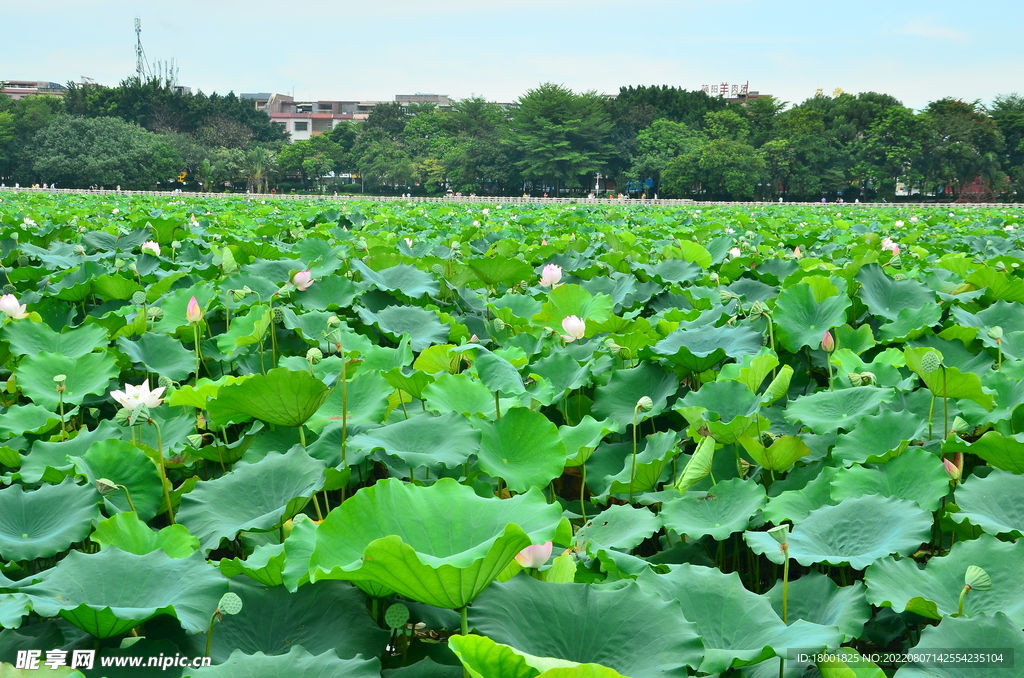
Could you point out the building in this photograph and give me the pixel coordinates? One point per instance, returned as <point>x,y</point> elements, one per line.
<point>305,119</point>
<point>440,100</point>
<point>18,89</point>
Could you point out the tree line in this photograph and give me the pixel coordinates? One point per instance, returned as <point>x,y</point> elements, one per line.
<point>647,140</point>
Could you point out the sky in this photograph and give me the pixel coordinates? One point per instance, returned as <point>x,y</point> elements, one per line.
<point>915,50</point>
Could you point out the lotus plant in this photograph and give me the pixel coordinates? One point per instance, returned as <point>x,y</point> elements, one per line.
<point>575,328</point>
<point>151,247</point>
<point>303,279</point>
<point>551,275</point>
<point>194,315</point>
<point>11,308</point>
<point>534,556</point>
<point>828,345</point>
<point>137,401</point>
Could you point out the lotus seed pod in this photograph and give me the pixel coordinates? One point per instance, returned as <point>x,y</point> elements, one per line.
<point>175,245</point>
<point>230,603</point>
<point>499,324</point>
<point>238,295</point>
<point>867,378</point>
<point>301,518</point>
<point>713,278</point>
<point>896,261</point>
<point>625,353</point>
<point>105,486</point>
<point>757,308</point>
<point>155,312</point>
<point>278,314</point>
<point>139,298</point>
<point>438,269</point>
<point>195,440</point>
<point>79,250</point>
<point>122,416</point>
<point>959,424</point>
<point>995,333</point>
<point>118,262</point>
<point>899,276</point>
<point>23,260</point>
<point>333,321</point>
<point>645,404</point>
<point>855,379</point>
<point>165,382</point>
<point>725,296</point>
<point>523,285</point>
<point>314,355</point>
<point>60,378</point>
<point>397,615</point>
<point>780,533</point>
<point>10,289</point>
<point>977,578</point>
<point>931,361</point>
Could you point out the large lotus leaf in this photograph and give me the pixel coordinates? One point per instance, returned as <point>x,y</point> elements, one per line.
<point>161,354</point>
<point>127,465</point>
<point>628,629</point>
<point>702,348</point>
<point>494,270</point>
<point>329,292</point>
<point>916,474</point>
<point>780,455</point>
<point>249,329</point>
<point>523,448</point>
<point>620,527</point>
<point>85,374</point>
<point>995,503</point>
<point>9,671</point>
<point>934,591</point>
<point>278,564</point>
<point>738,627</point>
<point>948,381</point>
<point>794,505</point>
<point>423,440</point>
<point>828,411</point>
<point>846,662</point>
<point>969,636</point>
<point>1003,452</point>
<point>26,419</point>
<point>13,608</point>
<point>566,300</point>
<point>562,371</point>
<point>581,440</point>
<point>394,536</point>
<point>1007,392</point>
<point>618,399</point>
<point>29,338</point>
<point>752,370</point>
<point>874,437</point>
<point>281,396</point>
<point>698,466</point>
<point>403,278</point>
<point>722,510</point>
<point>816,598</point>
<point>461,394</point>
<point>858,531</point>
<point>907,304</point>
<point>298,663</point>
<point>322,617</point>
<point>367,401</point>
<point>175,305</point>
<point>255,496</point>
<point>481,657</point>
<point>422,326</point>
<point>128,533</point>
<point>802,316</point>
<point>721,401</point>
<point>497,374</point>
<point>108,593</point>
<point>651,461</point>
<point>42,523</point>
<point>42,462</point>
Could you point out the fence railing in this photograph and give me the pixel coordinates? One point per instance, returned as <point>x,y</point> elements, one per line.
<point>493,200</point>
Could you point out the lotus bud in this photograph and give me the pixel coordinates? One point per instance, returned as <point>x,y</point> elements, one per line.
<point>118,262</point>
<point>302,280</point>
<point>193,313</point>
<point>278,314</point>
<point>977,578</point>
<point>10,289</point>
<point>473,339</point>
<point>438,269</point>
<point>796,252</point>
<point>951,470</point>
<point>931,361</point>
<point>645,404</point>
<point>230,603</point>
<point>133,267</point>
<point>828,344</point>
<point>780,533</point>
<point>535,555</point>
<point>105,486</point>
<point>151,247</point>
<point>155,312</point>
<point>314,355</point>
<point>139,298</point>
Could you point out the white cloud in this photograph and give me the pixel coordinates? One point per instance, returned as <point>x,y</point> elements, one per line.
<point>926,27</point>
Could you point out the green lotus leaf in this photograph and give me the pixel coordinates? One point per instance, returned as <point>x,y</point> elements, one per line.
<point>721,401</point>
<point>9,671</point>
<point>628,629</point>
<point>497,374</point>
<point>49,461</point>
<point>281,397</point>
<point>701,349</point>
<point>90,373</point>
<point>828,411</point>
<point>618,399</point>
<point>794,505</point>
<point>483,658</point>
<point>907,304</point>
<point>161,354</point>
<point>26,419</point>
<point>992,503</point>
<point>582,439</point>
<point>13,608</point>
<point>367,400</point>
<point>115,287</point>
<point>652,460</point>
<point>974,635</point>
<point>128,533</point>
<point>423,440</point>
<point>422,326</point>
<point>124,464</point>
<point>566,300</point>
<point>738,627</point>
<point>620,527</point>
<point>298,663</point>
<point>752,370</point>
<point>846,662</point>
<point>562,371</point>
<point>412,382</point>
<point>398,537</point>
<point>780,455</point>
<point>816,598</point>
<point>174,305</point>
<point>876,436</point>
<point>858,531</point>
<point>246,330</point>
<point>722,510</point>
<point>46,521</point>
<point>106,594</point>
<point>698,466</point>
<point>803,314</point>
<point>676,270</point>
<point>916,474</point>
<point>329,616</point>
<point>1003,452</point>
<point>461,394</point>
<point>257,496</point>
<point>30,338</point>
<point>1007,392</point>
<point>948,382</point>
<point>494,270</point>
<point>330,292</point>
<point>934,590</point>
<point>264,565</point>
<point>403,278</point>
<point>523,448</point>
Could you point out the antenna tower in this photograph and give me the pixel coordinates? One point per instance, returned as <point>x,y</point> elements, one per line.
<point>141,67</point>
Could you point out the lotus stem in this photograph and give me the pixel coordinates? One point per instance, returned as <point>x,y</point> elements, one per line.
<point>931,413</point>
<point>960,604</point>
<point>128,496</point>
<point>316,505</point>
<point>497,405</point>
<point>163,470</point>
<point>583,490</point>
<point>195,334</point>
<point>227,310</point>
<point>632,472</point>
<point>209,632</point>
<point>945,406</point>
<point>828,363</point>
<point>464,619</point>
<point>273,337</point>
<point>344,405</point>
<point>785,583</point>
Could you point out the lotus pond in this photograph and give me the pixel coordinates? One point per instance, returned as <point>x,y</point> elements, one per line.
<point>359,439</point>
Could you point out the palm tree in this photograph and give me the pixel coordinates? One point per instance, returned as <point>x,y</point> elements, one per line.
<point>259,165</point>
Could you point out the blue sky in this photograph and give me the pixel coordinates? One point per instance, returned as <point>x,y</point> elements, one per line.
<point>915,50</point>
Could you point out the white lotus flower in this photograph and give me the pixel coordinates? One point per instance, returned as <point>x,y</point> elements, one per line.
<point>152,247</point>
<point>551,275</point>
<point>11,308</point>
<point>575,328</point>
<point>735,253</point>
<point>535,555</point>
<point>133,396</point>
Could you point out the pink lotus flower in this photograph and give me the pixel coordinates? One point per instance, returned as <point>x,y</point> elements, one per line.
<point>152,247</point>
<point>133,396</point>
<point>575,327</point>
<point>951,469</point>
<point>735,253</point>
<point>302,280</point>
<point>11,308</point>
<point>551,275</point>
<point>828,344</point>
<point>913,220</point>
<point>888,244</point>
<point>535,555</point>
<point>193,313</point>
<point>796,252</point>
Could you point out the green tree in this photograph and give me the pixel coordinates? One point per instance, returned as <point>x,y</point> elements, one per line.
<point>893,150</point>
<point>480,161</point>
<point>723,169</point>
<point>963,145</point>
<point>657,145</point>
<point>1008,113</point>
<point>312,158</point>
<point>561,135</point>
